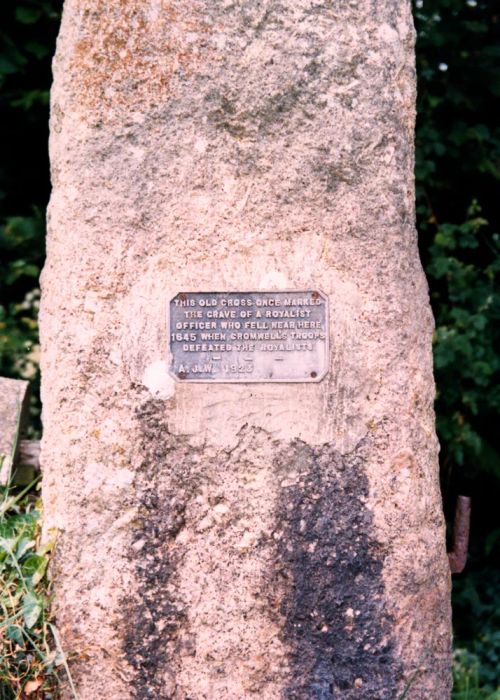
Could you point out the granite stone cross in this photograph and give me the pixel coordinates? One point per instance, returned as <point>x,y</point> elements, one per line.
<point>232,525</point>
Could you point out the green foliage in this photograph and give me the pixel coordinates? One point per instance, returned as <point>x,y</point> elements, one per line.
<point>467,684</point>
<point>477,623</point>
<point>467,334</point>
<point>29,658</point>
<point>457,174</point>
<point>21,252</point>
<point>27,33</point>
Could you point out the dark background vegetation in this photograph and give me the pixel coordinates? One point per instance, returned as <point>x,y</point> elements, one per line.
<point>457,173</point>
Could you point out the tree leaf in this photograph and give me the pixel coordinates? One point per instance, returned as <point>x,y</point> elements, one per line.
<point>28,15</point>
<point>25,544</point>
<point>34,568</point>
<point>15,634</point>
<point>32,608</point>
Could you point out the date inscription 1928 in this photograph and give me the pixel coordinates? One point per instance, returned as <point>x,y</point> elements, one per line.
<point>249,336</point>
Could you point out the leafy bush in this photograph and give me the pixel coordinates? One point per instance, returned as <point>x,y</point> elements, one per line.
<point>477,625</point>
<point>28,655</point>
<point>457,174</point>
<point>27,34</point>
<point>21,253</point>
<point>467,682</point>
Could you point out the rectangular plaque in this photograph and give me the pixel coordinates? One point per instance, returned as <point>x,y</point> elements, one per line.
<point>249,336</point>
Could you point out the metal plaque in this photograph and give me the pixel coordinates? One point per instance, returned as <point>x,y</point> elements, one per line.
<point>249,336</point>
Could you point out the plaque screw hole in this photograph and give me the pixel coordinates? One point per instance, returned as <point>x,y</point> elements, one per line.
<point>182,375</point>
<point>315,295</point>
<point>314,375</point>
<point>182,297</point>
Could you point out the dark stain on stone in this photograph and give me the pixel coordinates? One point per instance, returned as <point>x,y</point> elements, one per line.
<point>333,174</point>
<point>326,589</point>
<point>336,624</point>
<point>225,115</point>
<point>155,622</point>
<point>270,112</point>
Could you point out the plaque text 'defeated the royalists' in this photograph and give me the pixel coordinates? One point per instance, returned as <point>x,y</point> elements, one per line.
<point>249,336</point>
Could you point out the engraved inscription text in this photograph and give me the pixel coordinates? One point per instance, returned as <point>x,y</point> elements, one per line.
<point>249,336</point>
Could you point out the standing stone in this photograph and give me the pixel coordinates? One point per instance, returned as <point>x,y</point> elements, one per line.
<point>225,541</point>
<point>13,413</point>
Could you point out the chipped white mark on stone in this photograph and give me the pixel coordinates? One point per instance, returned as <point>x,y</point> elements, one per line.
<point>137,153</point>
<point>92,302</point>
<point>123,477</point>
<point>183,537</point>
<point>388,34</point>
<point>124,521</point>
<point>230,184</point>
<point>220,41</point>
<point>100,477</point>
<point>201,202</point>
<point>154,9</point>
<point>94,476</point>
<point>157,380</point>
<point>248,540</point>
<point>115,357</point>
<point>200,145</point>
<point>221,509</point>
<point>204,524</point>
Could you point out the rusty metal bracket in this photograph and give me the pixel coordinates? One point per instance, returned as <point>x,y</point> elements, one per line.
<point>461,528</point>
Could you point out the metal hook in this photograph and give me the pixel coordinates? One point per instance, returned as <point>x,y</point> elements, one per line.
<point>461,528</point>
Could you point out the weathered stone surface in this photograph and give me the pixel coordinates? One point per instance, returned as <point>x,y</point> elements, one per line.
<point>13,407</point>
<point>230,541</point>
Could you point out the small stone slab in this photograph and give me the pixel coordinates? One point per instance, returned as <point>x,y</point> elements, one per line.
<point>13,411</point>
